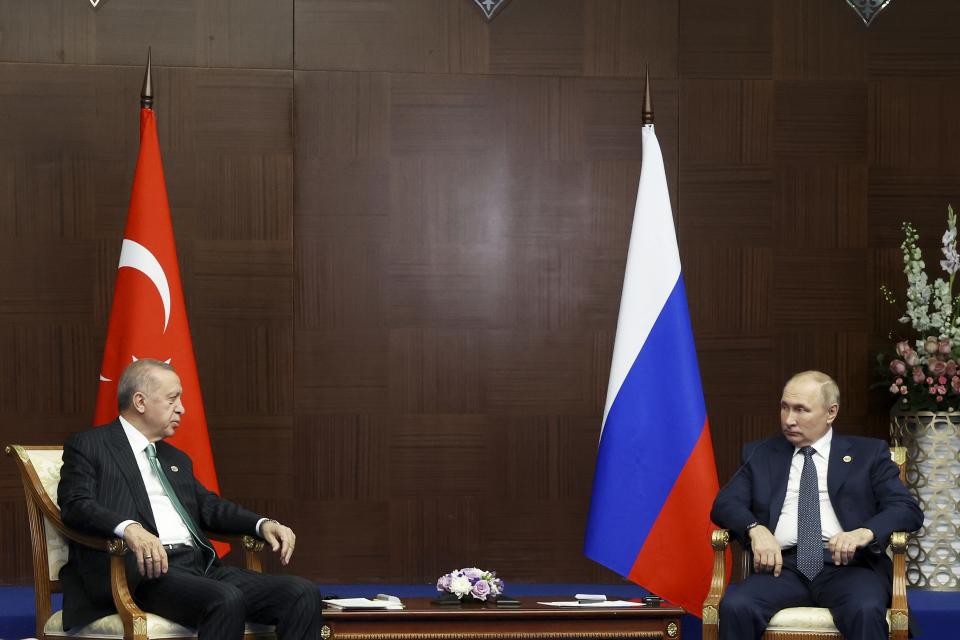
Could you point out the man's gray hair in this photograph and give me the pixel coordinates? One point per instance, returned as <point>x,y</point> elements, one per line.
<point>138,376</point>
<point>829,391</point>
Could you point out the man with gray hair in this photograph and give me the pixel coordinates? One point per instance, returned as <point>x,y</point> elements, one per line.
<point>122,480</point>
<point>817,509</point>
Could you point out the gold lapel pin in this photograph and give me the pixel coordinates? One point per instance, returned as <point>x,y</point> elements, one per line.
<point>847,458</point>
<point>175,469</point>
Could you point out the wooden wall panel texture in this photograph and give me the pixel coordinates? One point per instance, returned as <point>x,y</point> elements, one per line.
<point>402,233</point>
<point>190,33</point>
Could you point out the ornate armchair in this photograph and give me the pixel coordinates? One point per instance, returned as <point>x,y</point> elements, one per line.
<point>40,473</point>
<point>807,623</point>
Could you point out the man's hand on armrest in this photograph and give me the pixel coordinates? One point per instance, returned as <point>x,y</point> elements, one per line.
<point>767,556</point>
<point>279,537</point>
<point>151,556</point>
<point>845,544</point>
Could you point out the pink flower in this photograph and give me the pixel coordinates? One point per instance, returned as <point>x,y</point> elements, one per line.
<point>937,367</point>
<point>932,391</point>
<point>931,344</point>
<point>929,380</point>
<point>951,367</point>
<point>941,389</point>
<point>918,375</point>
<point>903,348</point>
<point>955,384</point>
<point>944,346</point>
<point>903,390</point>
<point>898,367</point>
<point>939,398</point>
<point>912,359</point>
<point>942,380</point>
<point>898,381</point>
<point>894,389</point>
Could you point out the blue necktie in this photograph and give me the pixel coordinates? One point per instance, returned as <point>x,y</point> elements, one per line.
<point>809,531</point>
<point>178,506</point>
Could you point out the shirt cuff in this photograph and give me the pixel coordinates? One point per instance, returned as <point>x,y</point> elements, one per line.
<point>260,524</point>
<point>120,528</point>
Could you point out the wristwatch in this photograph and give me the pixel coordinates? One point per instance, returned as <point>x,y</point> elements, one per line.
<point>750,526</point>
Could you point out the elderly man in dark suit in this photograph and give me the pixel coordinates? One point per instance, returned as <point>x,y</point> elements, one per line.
<point>817,508</point>
<point>122,480</point>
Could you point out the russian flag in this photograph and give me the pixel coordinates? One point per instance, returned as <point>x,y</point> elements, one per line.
<point>655,479</point>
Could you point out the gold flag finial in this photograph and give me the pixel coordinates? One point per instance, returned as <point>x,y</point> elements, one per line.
<point>647,103</point>
<point>146,93</point>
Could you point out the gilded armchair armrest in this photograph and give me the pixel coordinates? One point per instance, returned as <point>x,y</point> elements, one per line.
<point>113,546</point>
<point>899,611</point>
<point>251,545</point>
<point>719,540</point>
<point>248,542</point>
<point>133,618</point>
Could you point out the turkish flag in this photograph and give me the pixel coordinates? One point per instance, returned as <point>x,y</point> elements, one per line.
<point>148,318</point>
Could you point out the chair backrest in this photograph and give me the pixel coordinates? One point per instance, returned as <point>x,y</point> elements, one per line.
<point>40,474</point>
<point>899,455</point>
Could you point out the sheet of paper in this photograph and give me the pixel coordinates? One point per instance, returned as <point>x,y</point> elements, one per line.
<point>363,603</point>
<point>606,604</point>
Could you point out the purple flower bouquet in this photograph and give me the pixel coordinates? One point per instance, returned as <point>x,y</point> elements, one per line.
<point>471,582</point>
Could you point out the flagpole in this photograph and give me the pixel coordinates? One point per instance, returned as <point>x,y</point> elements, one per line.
<point>146,93</point>
<point>654,481</point>
<point>136,328</point>
<point>647,103</point>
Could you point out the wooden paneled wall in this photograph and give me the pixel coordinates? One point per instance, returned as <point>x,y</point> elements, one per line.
<point>402,233</point>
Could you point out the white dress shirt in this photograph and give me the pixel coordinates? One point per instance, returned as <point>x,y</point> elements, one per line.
<point>786,533</point>
<point>170,525</point>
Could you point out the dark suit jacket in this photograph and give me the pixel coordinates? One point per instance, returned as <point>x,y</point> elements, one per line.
<point>100,487</point>
<point>865,492</point>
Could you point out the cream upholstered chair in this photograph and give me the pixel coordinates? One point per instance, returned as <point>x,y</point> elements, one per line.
<point>40,474</point>
<point>808,623</point>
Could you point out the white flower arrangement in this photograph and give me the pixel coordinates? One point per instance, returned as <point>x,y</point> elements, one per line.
<point>471,582</point>
<point>921,295</point>
<point>924,373</point>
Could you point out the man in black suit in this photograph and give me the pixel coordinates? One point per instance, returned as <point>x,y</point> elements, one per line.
<point>110,486</point>
<point>812,491</point>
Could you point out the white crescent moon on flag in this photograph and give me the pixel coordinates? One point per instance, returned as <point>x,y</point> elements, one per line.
<point>136,256</point>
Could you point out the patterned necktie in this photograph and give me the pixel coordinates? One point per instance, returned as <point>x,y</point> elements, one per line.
<point>809,532</point>
<point>178,506</point>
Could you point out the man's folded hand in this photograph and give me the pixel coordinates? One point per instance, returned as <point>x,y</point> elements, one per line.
<point>844,545</point>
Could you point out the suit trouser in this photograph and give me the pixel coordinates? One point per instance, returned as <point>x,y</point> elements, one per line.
<point>217,604</point>
<point>856,595</point>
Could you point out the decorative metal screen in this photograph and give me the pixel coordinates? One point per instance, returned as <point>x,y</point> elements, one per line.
<point>933,476</point>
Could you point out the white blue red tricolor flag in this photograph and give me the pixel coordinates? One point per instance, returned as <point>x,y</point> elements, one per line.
<point>656,478</point>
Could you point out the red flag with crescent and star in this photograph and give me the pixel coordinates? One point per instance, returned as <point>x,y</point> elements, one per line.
<point>148,318</point>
